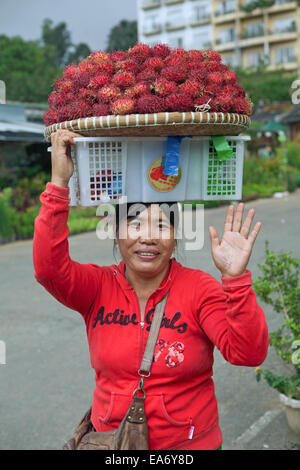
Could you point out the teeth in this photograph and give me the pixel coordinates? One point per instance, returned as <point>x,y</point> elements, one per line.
<point>146,254</point>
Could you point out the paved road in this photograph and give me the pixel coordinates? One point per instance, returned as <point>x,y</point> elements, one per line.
<point>47,382</point>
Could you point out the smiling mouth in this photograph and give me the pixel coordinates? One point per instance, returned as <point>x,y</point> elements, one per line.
<point>149,255</point>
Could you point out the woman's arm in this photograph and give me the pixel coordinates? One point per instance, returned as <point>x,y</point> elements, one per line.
<point>232,319</point>
<point>71,283</point>
<point>229,313</point>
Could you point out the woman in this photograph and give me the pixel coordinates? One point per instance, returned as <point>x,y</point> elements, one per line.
<point>117,304</point>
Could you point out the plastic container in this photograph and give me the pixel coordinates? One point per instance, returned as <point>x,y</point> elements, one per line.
<point>108,168</point>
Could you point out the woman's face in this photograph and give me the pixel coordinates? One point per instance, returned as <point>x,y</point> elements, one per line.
<point>146,241</point>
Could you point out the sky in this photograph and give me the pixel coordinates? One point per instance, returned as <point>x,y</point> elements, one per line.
<point>88,21</point>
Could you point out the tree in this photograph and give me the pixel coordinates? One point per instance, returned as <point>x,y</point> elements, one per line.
<point>122,36</point>
<point>269,86</point>
<point>59,47</point>
<point>25,69</point>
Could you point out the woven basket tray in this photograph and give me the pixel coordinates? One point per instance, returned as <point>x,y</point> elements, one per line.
<point>156,125</point>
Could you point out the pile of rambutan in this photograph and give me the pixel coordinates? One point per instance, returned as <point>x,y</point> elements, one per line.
<point>146,80</point>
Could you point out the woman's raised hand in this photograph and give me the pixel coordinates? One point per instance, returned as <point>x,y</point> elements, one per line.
<point>61,161</point>
<point>232,253</point>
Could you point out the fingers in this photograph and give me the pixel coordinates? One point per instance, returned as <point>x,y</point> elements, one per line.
<point>254,233</point>
<point>214,238</point>
<point>63,137</point>
<point>233,221</point>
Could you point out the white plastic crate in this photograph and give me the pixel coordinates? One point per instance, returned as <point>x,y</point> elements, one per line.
<point>108,168</point>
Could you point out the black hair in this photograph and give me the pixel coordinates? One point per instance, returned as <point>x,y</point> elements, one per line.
<point>170,209</point>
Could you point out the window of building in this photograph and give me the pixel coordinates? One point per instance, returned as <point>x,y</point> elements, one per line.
<point>176,42</point>
<point>175,18</point>
<point>226,35</point>
<point>284,55</point>
<point>254,59</point>
<point>151,24</point>
<point>227,6</point>
<point>254,30</point>
<point>201,11</point>
<point>202,37</point>
<point>284,25</point>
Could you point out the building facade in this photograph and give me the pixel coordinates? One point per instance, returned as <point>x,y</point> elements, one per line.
<point>245,32</point>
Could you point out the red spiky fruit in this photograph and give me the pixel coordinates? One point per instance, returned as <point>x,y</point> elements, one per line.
<point>70,71</point>
<point>123,79</point>
<point>211,55</point>
<point>215,78</point>
<point>116,56</point>
<point>192,87</point>
<point>174,74</point>
<point>87,95</point>
<point>140,52</point>
<point>99,81</point>
<point>99,56</point>
<point>161,50</point>
<point>128,66</point>
<point>163,87</point>
<point>123,106</point>
<point>147,76</point>
<point>101,109</point>
<point>195,54</point>
<point>50,117</point>
<point>154,63</point>
<point>137,90</point>
<point>230,77</point>
<point>224,103</point>
<point>203,100</point>
<point>109,93</point>
<point>179,102</point>
<point>150,104</point>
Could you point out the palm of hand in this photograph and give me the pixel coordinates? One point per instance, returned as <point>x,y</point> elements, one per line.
<point>232,254</point>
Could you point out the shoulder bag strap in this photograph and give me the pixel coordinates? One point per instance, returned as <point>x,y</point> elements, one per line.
<point>146,363</point>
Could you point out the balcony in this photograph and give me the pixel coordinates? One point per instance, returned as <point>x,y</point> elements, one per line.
<point>199,19</point>
<point>175,24</point>
<point>148,4</point>
<point>152,29</point>
<point>256,7</point>
<point>172,2</point>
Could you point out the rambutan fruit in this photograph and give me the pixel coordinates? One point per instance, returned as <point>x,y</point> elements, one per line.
<point>224,103</point>
<point>215,78</point>
<point>239,91</point>
<point>123,106</point>
<point>50,117</point>
<point>79,109</point>
<point>154,63</point>
<point>87,95</point>
<point>109,93</point>
<point>163,87</point>
<point>161,50</point>
<point>106,67</point>
<point>180,53</point>
<point>128,66</point>
<point>99,56</point>
<point>117,56</point>
<point>147,76</point>
<point>211,55</point>
<point>197,74</point>
<point>101,109</point>
<point>179,102</point>
<point>195,54</point>
<point>70,71</point>
<point>140,52</point>
<point>243,105</point>
<point>99,81</point>
<point>150,104</point>
<point>174,74</point>
<point>123,79</point>
<point>192,88</point>
<point>137,90</point>
<point>230,77</point>
<point>212,66</point>
<point>175,61</point>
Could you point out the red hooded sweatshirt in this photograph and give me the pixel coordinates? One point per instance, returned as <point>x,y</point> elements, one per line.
<point>201,313</point>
